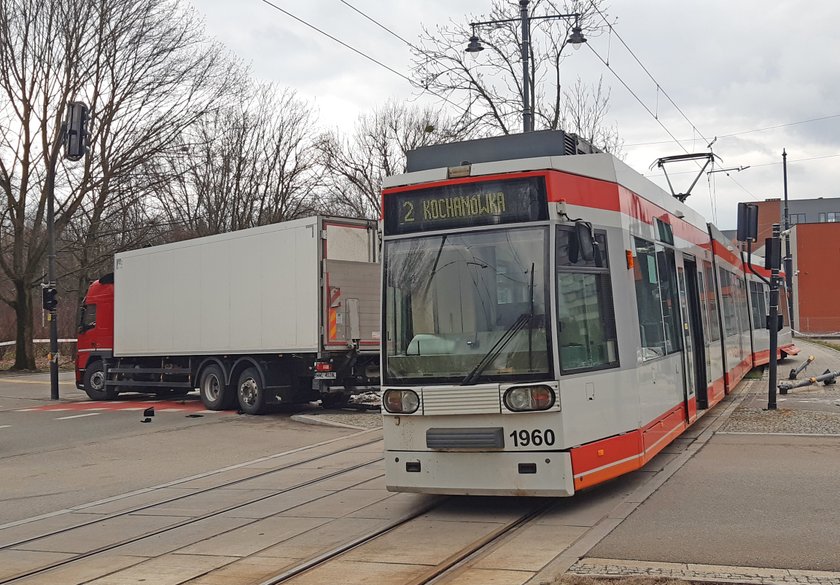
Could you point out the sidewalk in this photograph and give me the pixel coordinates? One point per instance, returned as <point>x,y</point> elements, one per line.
<point>759,503</point>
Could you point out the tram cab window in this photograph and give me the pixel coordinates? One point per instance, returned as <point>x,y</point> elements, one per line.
<point>654,273</point>
<point>586,327</point>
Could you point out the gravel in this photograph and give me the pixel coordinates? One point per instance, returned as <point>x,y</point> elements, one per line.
<point>811,410</point>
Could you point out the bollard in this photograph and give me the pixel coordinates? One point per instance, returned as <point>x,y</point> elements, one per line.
<point>796,371</point>
<point>827,378</point>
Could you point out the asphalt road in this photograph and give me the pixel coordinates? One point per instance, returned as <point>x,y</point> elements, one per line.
<point>57,455</point>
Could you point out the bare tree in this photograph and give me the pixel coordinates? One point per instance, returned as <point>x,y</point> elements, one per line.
<point>146,72</point>
<point>585,112</point>
<point>356,166</point>
<point>251,163</point>
<point>488,86</point>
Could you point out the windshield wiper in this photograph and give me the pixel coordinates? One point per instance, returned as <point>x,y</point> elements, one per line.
<point>493,352</point>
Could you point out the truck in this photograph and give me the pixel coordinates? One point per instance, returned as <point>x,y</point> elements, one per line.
<point>278,314</point>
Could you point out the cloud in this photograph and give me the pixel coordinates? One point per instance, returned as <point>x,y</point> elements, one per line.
<point>729,66</point>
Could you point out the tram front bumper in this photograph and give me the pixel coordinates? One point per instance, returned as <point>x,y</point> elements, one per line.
<point>539,473</point>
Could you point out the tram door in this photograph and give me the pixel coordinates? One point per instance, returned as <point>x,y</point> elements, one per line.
<point>695,353</point>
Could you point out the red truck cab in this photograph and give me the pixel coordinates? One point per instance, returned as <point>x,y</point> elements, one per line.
<point>95,340</point>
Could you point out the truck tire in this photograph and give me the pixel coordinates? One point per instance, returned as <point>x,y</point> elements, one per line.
<point>250,392</point>
<point>94,381</point>
<point>214,393</point>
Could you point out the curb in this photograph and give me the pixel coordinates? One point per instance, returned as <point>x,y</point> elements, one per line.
<point>617,568</point>
<point>324,422</point>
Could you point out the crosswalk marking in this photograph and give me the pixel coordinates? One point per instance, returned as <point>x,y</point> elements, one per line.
<point>78,415</point>
<point>177,407</point>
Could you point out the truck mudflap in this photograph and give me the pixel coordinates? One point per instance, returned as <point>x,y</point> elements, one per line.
<point>338,377</point>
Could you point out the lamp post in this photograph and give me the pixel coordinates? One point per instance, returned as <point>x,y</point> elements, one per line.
<point>576,39</point>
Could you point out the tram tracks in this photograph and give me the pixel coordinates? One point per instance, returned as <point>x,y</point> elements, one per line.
<point>16,545</point>
<point>490,522</point>
<point>438,573</point>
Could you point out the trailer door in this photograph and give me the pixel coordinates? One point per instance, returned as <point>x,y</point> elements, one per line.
<point>351,286</point>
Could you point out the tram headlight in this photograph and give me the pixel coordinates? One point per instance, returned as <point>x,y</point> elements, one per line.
<point>524,398</point>
<point>401,401</point>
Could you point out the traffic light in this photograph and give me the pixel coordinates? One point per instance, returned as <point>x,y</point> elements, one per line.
<point>50,298</point>
<point>76,140</point>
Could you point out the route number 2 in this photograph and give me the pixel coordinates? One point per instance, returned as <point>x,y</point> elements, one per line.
<point>537,438</point>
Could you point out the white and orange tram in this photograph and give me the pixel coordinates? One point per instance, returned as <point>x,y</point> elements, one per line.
<point>550,319</point>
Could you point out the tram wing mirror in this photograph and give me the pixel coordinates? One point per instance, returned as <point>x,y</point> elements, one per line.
<point>585,246</point>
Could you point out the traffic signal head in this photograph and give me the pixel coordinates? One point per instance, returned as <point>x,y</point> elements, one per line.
<point>50,298</point>
<point>76,139</point>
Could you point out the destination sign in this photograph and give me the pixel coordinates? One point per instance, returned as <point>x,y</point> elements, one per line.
<point>466,205</point>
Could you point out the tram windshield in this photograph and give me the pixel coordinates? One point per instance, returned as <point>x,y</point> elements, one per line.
<point>467,308</point>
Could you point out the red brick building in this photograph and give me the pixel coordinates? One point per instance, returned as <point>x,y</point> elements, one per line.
<point>815,247</point>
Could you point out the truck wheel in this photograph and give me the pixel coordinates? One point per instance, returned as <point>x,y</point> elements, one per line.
<point>250,392</point>
<point>95,383</point>
<point>214,394</point>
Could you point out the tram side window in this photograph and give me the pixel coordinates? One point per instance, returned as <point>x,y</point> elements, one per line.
<point>670,298</point>
<point>759,309</point>
<point>586,328</point>
<point>727,291</point>
<point>783,305</point>
<point>646,277</point>
<point>711,302</point>
<point>743,314</point>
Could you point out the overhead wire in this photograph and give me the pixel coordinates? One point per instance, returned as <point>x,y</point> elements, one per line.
<point>764,129</point>
<point>638,99</point>
<point>659,88</point>
<point>359,52</point>
<point>645,69</point>
<point>377,23</point>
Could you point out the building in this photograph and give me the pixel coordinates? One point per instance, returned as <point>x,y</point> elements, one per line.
<point>815,247</point>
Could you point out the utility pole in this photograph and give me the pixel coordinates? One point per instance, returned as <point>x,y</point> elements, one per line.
<point>49,292</point>
<point>74,138</point>
<point>788,257</point>
<point>527,115</point>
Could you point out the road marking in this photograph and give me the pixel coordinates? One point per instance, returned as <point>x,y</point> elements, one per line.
<point>78,416</point>
<point>14,380</point>
<point>4,426</point>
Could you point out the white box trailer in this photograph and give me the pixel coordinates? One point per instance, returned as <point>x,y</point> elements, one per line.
<point>287,312</point>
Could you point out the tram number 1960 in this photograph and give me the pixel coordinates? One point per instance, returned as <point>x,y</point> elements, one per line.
<point>537,438</point>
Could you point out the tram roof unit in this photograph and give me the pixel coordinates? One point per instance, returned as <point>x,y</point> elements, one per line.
<point>544,150</point>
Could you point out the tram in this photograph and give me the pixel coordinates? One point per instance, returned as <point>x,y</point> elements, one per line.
<point>551,319</point>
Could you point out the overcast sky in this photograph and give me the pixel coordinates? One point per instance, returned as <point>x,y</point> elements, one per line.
<point>731,67</point>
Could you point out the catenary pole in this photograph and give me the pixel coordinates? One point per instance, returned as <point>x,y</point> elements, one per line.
<point>788,257</point>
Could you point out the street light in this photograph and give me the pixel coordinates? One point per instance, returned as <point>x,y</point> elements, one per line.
<point>576,39</point>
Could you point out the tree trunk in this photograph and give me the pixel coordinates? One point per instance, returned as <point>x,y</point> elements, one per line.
<point>24,348</point>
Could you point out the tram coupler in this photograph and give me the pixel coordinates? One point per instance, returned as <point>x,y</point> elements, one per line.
<point>794,372</point>
<point>827,378</point>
